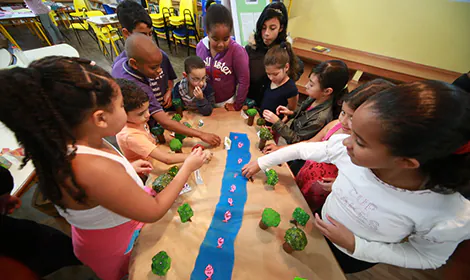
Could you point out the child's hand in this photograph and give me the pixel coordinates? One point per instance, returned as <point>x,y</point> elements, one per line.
<point>167,102</point>
<point>8,204</point>
<point>283,110</point>
<point>142,166</point>
<point>250,169</point>
<point>326,183</point>
<point>198,93</point>
<point>270,148</point>
<point>195,159</point>
<point>229,107</point>
<point>211,139</point>
<point>208,155</point>
<point>336,233</point>
<point>270,116</point>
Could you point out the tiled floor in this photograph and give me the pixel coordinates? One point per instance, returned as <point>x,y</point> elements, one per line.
<point>90,50</point>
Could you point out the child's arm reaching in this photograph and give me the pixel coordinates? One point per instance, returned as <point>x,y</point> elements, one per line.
<point>166,157</point>
<point>313,151</point>
<point>107,183</point>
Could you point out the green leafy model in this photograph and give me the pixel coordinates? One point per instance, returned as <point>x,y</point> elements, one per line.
<point>173,171</point>
<point>161,263</point>
<point>185,213</point>
<point>251,115</point>
<point>264,135</point>
<point>161,182</point>
<point>178,104</point>
<point>187,124</point>
<point>158,132</point>
<point>273,178</point>
<point>299,278</point>
<point>269,218</point>
<point>175,145</point>
<point>260,122</point>
<point>295,240</point>
<point>177,117</point>
<point>180,137</point>
<point>300,216</point>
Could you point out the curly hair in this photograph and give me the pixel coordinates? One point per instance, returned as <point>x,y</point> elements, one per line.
<point>42,104</point>
<point>133,95</point>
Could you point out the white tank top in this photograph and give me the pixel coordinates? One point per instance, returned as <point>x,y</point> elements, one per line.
<point>99,217</point>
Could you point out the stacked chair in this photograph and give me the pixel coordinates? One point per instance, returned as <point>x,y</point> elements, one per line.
<point>183,26</point>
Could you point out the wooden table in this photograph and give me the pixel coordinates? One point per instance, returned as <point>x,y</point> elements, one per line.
<point>258,253</point>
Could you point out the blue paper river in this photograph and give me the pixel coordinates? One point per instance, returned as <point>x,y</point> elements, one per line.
<point>219,261</point>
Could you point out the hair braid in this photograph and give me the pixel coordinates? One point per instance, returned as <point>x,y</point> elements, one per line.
<point>42,104</point>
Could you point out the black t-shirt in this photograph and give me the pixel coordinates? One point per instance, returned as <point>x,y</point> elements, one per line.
<point>278,96</point>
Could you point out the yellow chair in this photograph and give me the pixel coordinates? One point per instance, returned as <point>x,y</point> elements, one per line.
<point>105,34</point>
<point>160,20</point>
<point>81,6</point>
<point>184,27</point>
<point>186,14</point>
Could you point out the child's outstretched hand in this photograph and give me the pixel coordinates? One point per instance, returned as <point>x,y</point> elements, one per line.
<point>270,116</point>
<point>270,148</point>
<point>142,166</point>
<point>230,107</point>
<point>283,110</point>
<point>250,169</point>
<point>195,159</point>
<point>198,93</point>
<point>336,232</point>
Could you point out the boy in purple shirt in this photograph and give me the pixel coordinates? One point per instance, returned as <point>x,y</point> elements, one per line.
<point>134,19</point>
<point>141,65</point>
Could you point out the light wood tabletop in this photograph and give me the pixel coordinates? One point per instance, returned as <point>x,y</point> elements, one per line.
<point>258,253</point>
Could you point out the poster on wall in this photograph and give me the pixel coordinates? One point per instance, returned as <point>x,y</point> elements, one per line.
<point>245,14</point>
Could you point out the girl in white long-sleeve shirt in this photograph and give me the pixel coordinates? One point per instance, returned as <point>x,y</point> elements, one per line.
<point>396,199</point>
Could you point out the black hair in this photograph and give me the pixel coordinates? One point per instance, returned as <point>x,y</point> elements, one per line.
<point>363,92</point>
<point>428,121</point>
<point>6,181</point>
<point>131,13</point>
<point>333,74</point>
<point>133,95</point>
<point>217,14</point>
<point>57,94</point>
<point>463,82</point>
<point>280,55</point>
<point>193,62</point>
<point>274,10</point>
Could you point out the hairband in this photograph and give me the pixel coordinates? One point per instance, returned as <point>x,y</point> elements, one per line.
<point>283,45</point>
<point>277,10</point>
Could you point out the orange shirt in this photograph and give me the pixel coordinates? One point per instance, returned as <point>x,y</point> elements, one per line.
<point>136,142</point>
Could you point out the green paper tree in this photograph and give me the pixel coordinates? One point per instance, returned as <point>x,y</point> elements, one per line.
<point>161,182</point>
<point>180,137</point>
<point>299,278</point>
<point>177,102</point>
<point>177,117</point>
<point>173,171</point>
<point>300,216</point>
<point>273,178</point>
<point>260,121</point>
<point>175,145</point>
<point>265,134</point>
<point>251,112</point>
<point>296,238</point>
<point>186,212</point>
<point>187,124</point>
<point>157,130</point>
<point>161,263</point>
<point>270,218</point>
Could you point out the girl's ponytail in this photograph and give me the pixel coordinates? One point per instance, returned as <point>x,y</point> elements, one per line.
<point>294,68</point>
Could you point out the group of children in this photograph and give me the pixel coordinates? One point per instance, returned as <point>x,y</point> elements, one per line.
<point>389,160</point>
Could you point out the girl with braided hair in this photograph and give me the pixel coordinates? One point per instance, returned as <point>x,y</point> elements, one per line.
<point>60,109</point>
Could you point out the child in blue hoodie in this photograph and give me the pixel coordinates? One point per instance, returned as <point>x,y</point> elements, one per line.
<point>226,61</point>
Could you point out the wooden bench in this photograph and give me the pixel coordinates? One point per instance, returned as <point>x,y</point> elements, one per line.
<point>366,66</point>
